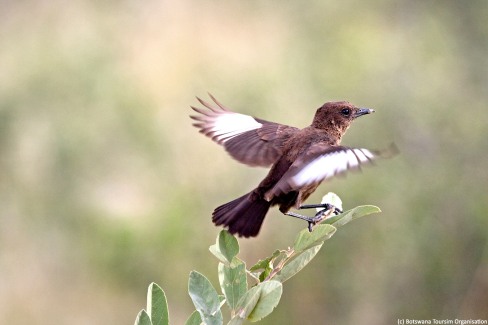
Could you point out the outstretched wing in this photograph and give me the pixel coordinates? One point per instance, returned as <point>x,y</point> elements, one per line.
<point>319,163</point>
<point>249,140</point>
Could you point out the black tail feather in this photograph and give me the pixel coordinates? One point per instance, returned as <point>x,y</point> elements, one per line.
<point>243,216</point>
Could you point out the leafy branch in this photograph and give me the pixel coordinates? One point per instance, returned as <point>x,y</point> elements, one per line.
<point>268,275</point>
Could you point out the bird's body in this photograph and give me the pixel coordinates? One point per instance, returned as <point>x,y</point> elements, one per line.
<point>298,144</point>
<point>300,159</point>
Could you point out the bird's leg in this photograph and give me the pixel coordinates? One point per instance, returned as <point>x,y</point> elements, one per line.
<point>299,216</point>
<point>326,206</point>
<point>310,221</point>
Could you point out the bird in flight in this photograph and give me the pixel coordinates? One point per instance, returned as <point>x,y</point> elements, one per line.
<point>300,159</point>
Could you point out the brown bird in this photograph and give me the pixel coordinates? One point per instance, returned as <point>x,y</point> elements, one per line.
<point>300,159</point>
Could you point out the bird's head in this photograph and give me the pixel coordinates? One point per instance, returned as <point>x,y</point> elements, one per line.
<point>337,116</point>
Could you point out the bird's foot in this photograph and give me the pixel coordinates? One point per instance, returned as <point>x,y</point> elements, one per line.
<point>320,216</point>
<point>326,206</point>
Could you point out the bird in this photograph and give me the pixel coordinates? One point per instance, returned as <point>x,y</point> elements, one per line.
<point>299,159</point>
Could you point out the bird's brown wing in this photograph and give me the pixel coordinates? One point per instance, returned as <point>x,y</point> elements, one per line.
<point>320,162</point>
<point>252,141</point>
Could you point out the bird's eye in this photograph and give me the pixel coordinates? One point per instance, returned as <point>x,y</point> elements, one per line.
<point>346,111</point>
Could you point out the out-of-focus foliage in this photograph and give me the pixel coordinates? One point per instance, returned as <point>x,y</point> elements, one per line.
<point>102,177</point>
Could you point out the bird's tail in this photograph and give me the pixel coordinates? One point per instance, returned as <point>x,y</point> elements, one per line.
<point>243,216</point>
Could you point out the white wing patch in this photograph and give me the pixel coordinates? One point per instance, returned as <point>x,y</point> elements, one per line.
<point>225,126</point>
<point>221,124</point>
<point>330,164</point>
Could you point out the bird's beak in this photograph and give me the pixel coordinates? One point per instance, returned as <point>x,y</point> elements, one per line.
<point>363,111</point>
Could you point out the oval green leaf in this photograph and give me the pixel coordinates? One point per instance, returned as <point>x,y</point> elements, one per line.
<point>205,298</point>
<point>225,248</point>
<point>233,282</point>
<point>306,239</point>
<point>143,318</point>
<point>228,245</point>
<point>268,300</point>
<point>348,216</point>
<point>247,303</point>
<point>296,264</point>
<point>157,306</point>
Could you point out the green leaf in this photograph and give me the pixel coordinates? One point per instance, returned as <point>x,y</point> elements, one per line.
<point>247,303</point>
<point>214,249</point>
<point>357,212</point>
<point>194,319</point>
<point>306,239</point>
<point>265,263</point>
<point>205,298</point>
<point>266,272</point>
<point>270,297</point>
<point>226,247</point>
<point>233,282</point>
<point>258,302</point>
<point>143,318</point>
<point>297,263</point>
<point>157,306</point>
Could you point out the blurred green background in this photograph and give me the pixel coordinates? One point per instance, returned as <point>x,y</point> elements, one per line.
<point>105,186</point>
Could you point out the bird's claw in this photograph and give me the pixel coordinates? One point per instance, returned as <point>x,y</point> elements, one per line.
<point>328,206</point>
<point>320,216</point>
<point>310,226</point>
